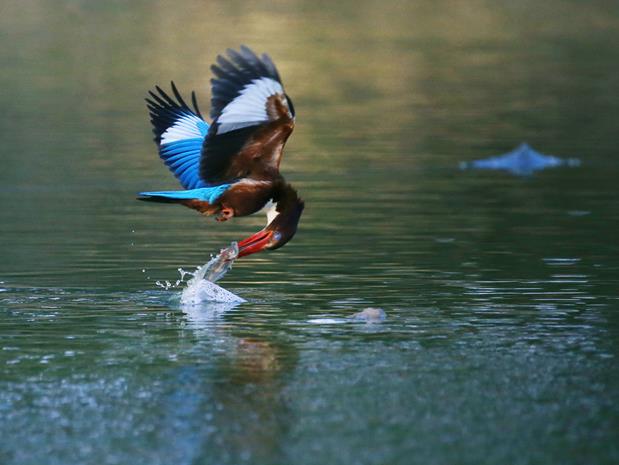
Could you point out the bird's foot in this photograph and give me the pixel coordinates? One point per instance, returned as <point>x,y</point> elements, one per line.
<point>225,214</point>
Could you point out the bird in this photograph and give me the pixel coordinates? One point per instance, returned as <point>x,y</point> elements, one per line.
<point>230,167</point>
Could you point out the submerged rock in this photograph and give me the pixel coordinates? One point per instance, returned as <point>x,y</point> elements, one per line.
<point>522,161</point>
<point>369,315</point>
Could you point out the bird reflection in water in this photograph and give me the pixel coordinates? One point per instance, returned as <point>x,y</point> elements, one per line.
<point>253,413</point>
<point>240,390</point>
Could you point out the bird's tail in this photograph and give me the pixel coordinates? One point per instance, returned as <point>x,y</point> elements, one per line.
<point>204,194</point>
<point>157,197</point>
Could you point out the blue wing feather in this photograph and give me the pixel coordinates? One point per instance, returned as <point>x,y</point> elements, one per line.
<point>183,159</point>
<point>204,194</point>
<point>179,134</point>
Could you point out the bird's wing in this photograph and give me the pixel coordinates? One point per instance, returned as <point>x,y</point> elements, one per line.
<point>252,118</point>
<point>179,134</point>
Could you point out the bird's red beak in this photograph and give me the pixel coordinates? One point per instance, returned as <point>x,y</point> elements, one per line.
<point>254,243</point>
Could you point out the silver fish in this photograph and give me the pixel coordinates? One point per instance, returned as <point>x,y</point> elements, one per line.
<point>219,265</point>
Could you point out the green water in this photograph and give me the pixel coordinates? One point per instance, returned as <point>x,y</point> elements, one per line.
<point>502,332</point>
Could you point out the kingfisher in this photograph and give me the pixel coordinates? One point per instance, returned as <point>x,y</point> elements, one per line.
<point>230,167</point>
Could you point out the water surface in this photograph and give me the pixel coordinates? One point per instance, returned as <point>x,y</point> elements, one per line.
<point>502,332</point>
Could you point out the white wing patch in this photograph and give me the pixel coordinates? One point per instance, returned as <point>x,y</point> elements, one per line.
<point>271,210</point>
<point>249,107</point>
<point>186,127</point>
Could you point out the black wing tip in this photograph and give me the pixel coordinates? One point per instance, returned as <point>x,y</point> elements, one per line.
<point>233,70</point>
<point>164,109</point>
<point>194,101</point>
<point>245,50</point>
<point>162,99</point>
<point>178,95</point>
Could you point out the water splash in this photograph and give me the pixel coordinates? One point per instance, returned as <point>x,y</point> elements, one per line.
<point>201,287</point>
<point>198,292</point>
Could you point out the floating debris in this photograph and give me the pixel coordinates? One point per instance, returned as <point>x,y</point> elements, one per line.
<point>554,261</point>
<point>521,161</point>
<point>578,212</point>
<point>327,321</point>
<point>369,315</point>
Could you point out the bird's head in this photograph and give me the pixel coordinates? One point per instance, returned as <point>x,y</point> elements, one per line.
<point>282,220</point>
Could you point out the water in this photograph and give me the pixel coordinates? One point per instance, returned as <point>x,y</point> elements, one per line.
<point>500,343</point>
